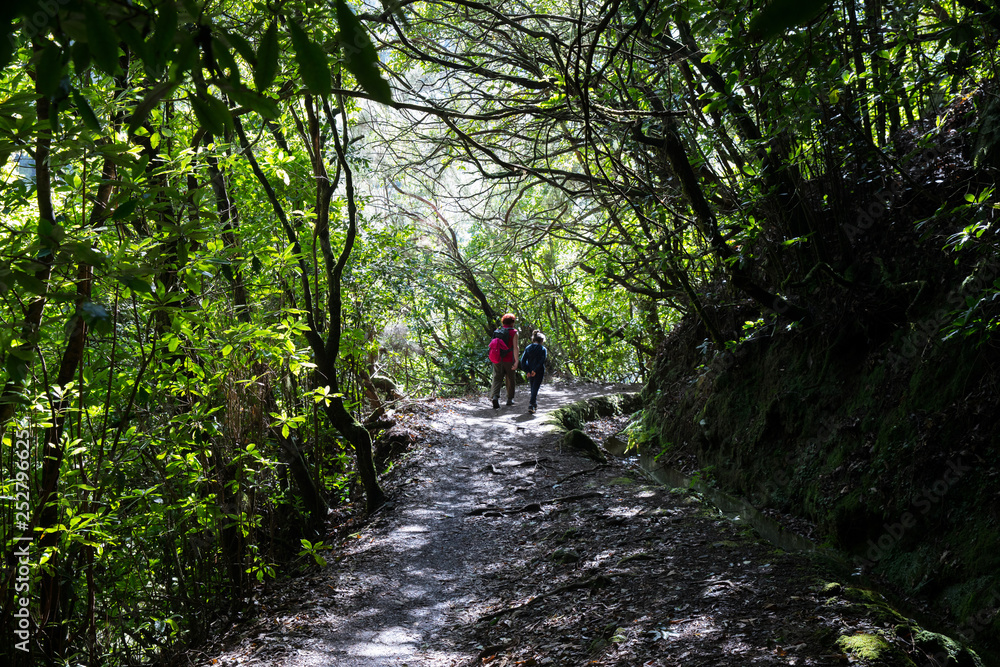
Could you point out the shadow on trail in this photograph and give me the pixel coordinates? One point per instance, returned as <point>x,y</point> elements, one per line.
<point>405,581</point>
<point>402,585</point>
<point>563,562</point>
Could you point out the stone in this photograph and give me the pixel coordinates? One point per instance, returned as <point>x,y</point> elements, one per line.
<point>579,441</point>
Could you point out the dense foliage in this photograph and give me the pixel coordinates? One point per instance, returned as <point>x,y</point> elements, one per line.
<point>231,233</point>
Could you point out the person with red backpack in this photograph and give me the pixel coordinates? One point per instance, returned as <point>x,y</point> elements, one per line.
<point>504,356</point>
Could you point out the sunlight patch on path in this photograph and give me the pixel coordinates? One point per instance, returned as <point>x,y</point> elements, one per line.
<point>410,575</point>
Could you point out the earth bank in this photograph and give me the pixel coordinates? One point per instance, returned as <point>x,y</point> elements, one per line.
<point>892,459</point>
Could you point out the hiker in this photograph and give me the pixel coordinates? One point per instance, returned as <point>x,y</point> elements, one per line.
<point>503,348</point>
<point>533,365</point>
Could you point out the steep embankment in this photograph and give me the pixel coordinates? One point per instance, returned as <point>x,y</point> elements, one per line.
<point>867,422</point>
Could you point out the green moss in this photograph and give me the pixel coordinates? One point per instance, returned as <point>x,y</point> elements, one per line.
<point>851,445</point>
<point>833,588</point>
<point>572,417</point>
<point>874,605</point>
<point>622,481</point>
<point>868,647</point>
<point>945,650</point>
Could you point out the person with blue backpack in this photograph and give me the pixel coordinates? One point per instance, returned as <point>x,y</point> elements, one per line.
<point>503,355</point>
<point>533,365</point>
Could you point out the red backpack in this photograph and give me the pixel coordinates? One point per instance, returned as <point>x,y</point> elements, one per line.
<point>499,345</point>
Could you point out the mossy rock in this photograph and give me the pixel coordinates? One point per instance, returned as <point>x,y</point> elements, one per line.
<point>945,650</point>
<point>573,417</point>
<point>874,604</point>
<point>581,442</point>
<point>565,556</point>
<point>567,536</point>
<point>873,649</point>
<point>833,588</point>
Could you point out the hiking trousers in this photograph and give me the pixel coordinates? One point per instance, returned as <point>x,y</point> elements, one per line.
<point>503,374</point>
<point>535,383</point>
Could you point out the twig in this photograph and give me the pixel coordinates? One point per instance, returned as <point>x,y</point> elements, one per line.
<point>535,506</point>
<point>581,472</point>
<point>592,583</point>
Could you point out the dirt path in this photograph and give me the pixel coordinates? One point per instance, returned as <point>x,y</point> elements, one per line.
<point>500,549</point>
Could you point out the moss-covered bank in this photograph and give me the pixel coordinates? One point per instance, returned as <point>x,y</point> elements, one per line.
<point>574,416</point>
<point>891,454</point>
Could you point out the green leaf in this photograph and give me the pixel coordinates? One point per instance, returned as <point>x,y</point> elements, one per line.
<point>166,27</point>
<point>137,284</point>
<point>715,106</point>
<point>49,69</point>
<point>224,59</point>
<point>152,98</point>
<point>186,57</point>
<point>125,209</point>
<point>212,113</point>
<point>84,254</point>
<point>135,42</point>
<point>86,112</point>
<point>50,235</point>
<point>660,24</point>
<point>29,282</point>
<point>313,65</point>
<point>81,57</point>
<point>96,316</point>
<point>140,166</point>
<point>780,15</point>
<point>192,7</point>
<point>245,97</point>
<point>360,56</point>
<point>16,369</point>
<point>267,59</point>
<point>240,44</point>
<point>102,41</point>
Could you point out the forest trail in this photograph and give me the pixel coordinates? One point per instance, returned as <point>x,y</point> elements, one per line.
<point>476,560</point>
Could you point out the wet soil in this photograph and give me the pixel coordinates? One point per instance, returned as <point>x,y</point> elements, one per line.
<point>498,548</point>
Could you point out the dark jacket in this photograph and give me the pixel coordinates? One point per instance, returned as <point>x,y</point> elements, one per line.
<point>533,358</point>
